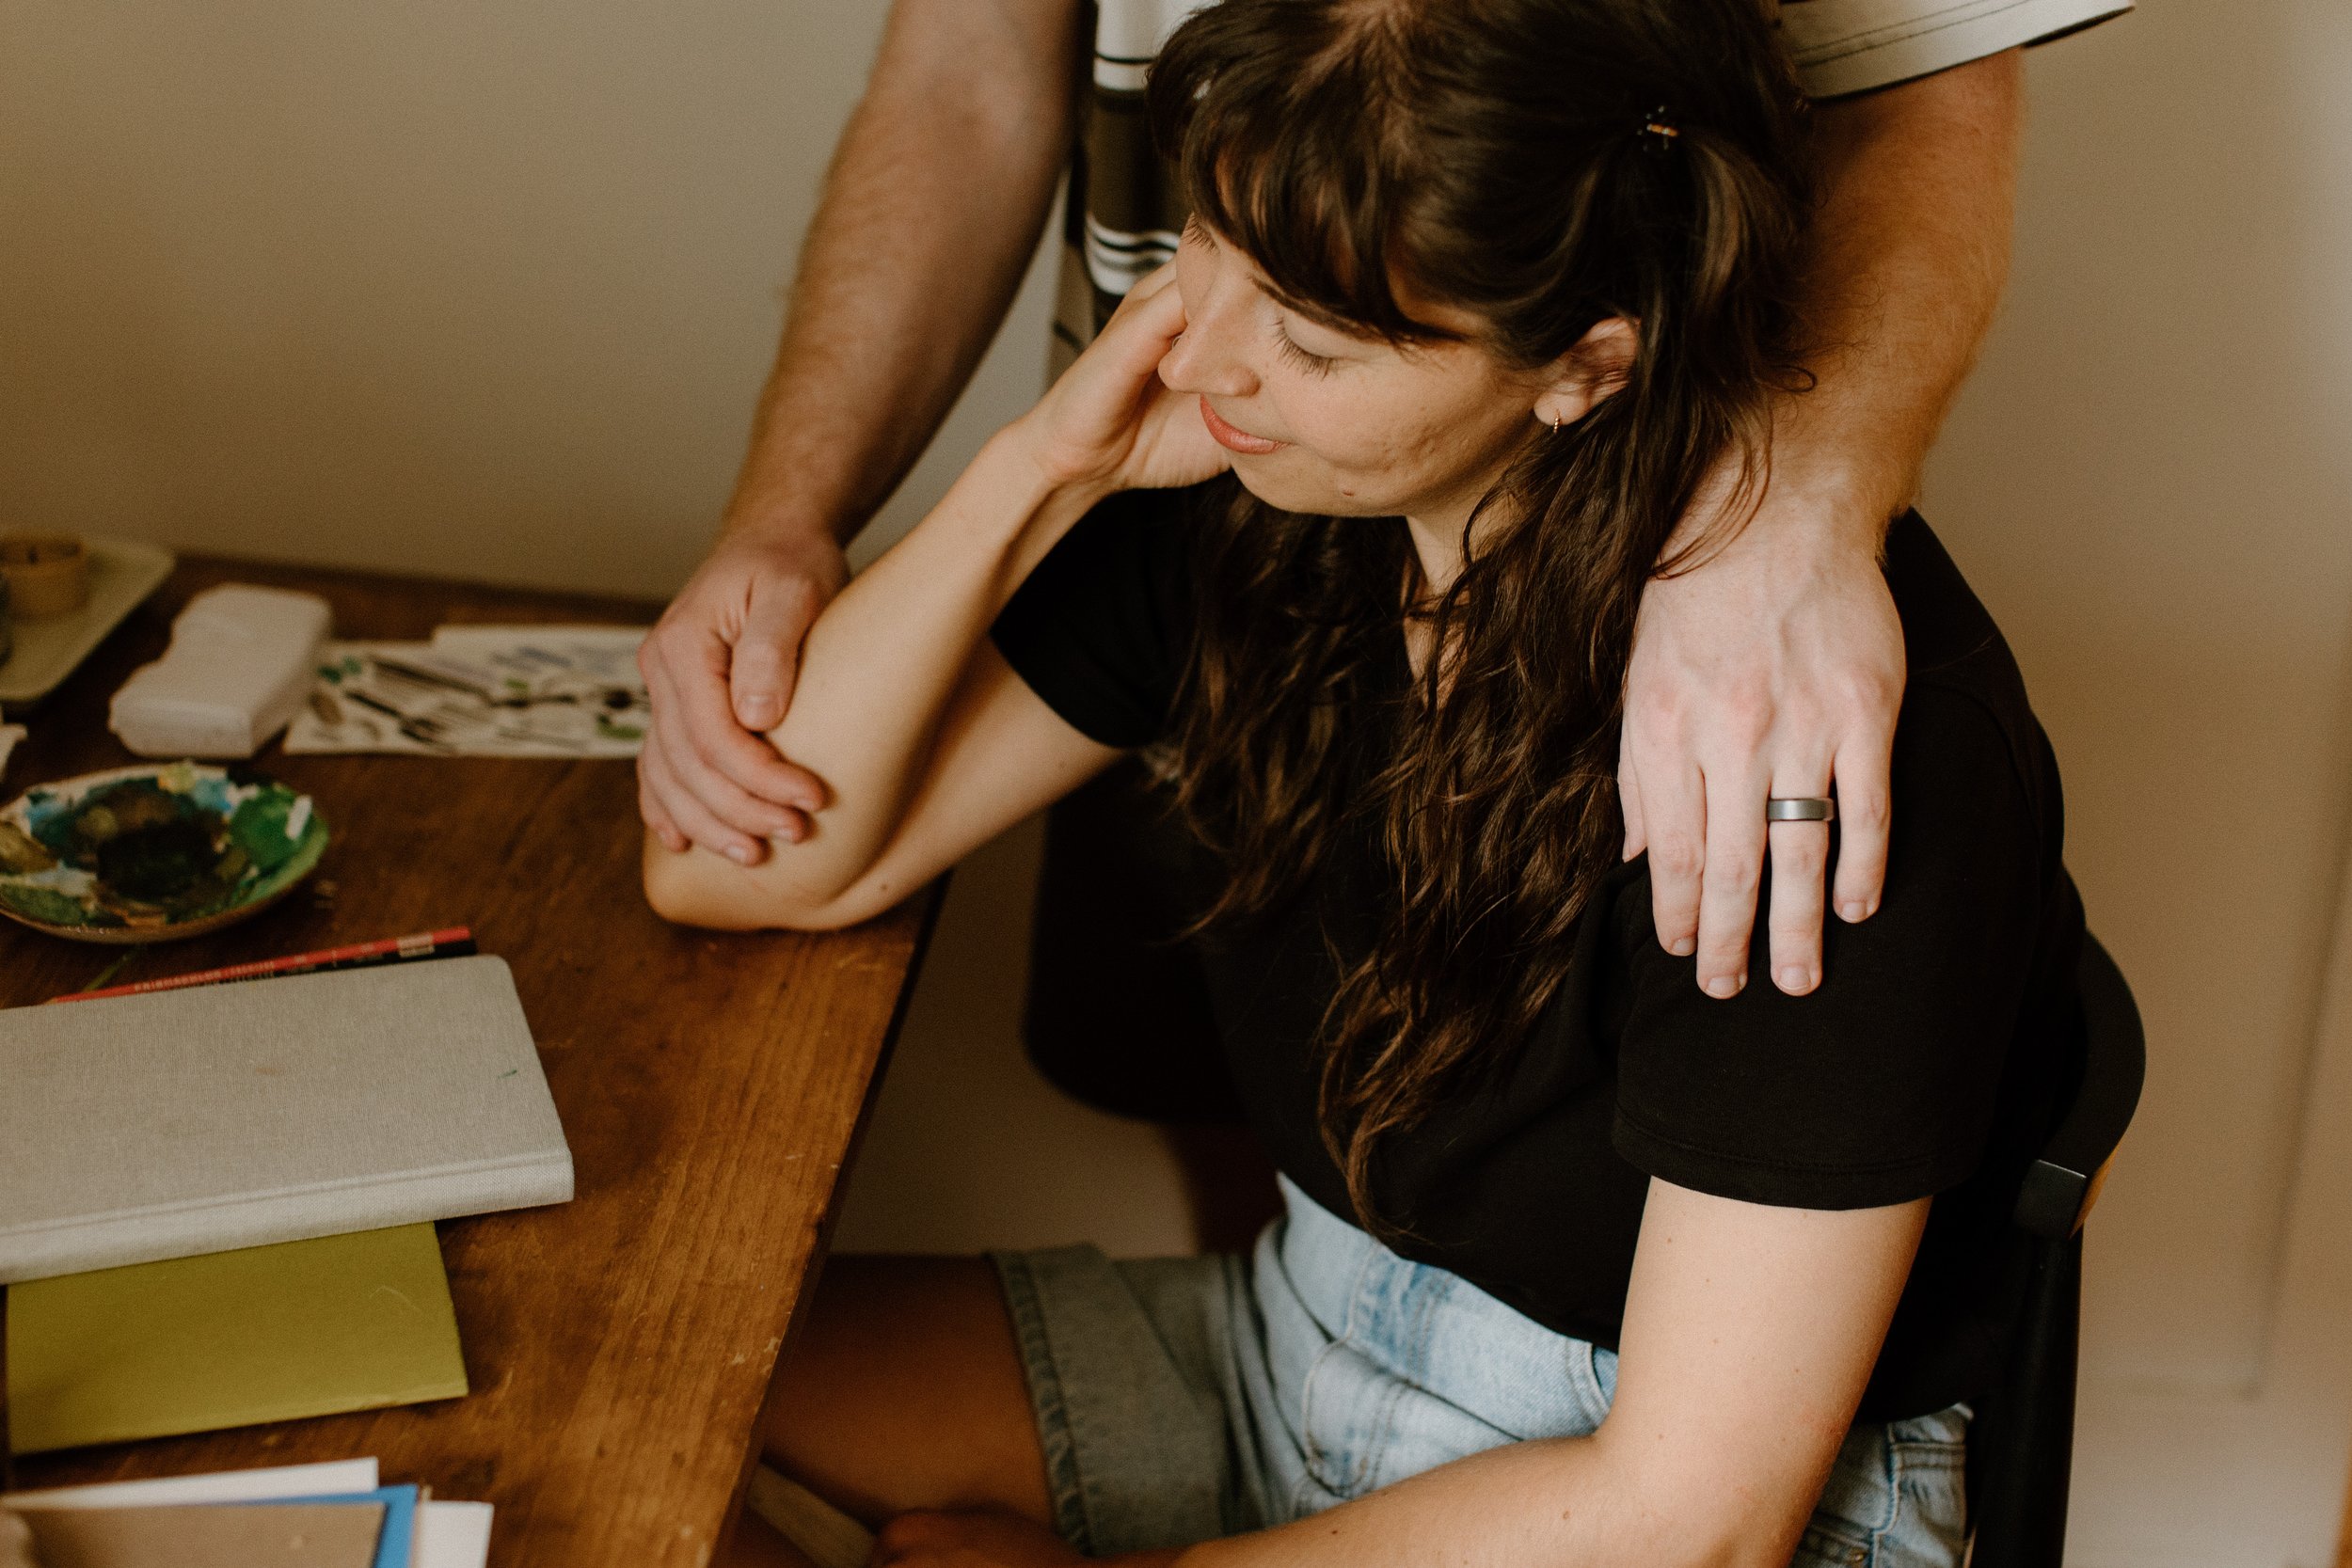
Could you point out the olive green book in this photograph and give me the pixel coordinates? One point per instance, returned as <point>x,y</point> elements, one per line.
<point>231,1339</point>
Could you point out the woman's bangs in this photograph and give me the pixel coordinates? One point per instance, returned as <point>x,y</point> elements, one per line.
<point>1290,168</point>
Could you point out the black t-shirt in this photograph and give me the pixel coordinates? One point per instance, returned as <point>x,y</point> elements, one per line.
<point>1927,1064</point>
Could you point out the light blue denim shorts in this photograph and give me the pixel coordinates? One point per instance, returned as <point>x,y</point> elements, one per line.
<point>1183,1399</point>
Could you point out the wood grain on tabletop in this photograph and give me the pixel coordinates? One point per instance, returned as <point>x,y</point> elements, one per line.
<point>711,1087</point>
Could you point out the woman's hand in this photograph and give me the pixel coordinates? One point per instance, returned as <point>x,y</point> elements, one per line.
<point>1110,423</point>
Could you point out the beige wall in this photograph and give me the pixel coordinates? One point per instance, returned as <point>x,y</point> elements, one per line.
<point>486,289</point>
<point>2150,479</point>
<point>465,288</point>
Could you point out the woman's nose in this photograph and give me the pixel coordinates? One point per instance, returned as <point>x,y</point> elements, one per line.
<point>1208,356</point>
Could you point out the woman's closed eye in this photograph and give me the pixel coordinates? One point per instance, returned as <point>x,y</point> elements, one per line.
<point>1312,363</point>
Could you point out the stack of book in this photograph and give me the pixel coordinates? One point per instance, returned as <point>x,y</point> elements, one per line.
<point>220,1201</point>
<point>331,1516</point>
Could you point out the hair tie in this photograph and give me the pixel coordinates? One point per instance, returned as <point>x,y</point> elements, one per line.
<point>1658,131</point>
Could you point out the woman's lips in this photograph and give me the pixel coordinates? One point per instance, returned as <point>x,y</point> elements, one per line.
<point>1235,440</point>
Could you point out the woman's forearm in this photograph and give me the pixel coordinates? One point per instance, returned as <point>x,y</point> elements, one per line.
<point>882,662</point>
<point>877,673</point>
<point>1553,1503</point>
<point>1738,1378</point>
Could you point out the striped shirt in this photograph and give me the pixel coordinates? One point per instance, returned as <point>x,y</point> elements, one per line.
<point>1125,212</point>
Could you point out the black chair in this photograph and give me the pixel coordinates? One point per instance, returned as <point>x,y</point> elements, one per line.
<point>2020,1446</point>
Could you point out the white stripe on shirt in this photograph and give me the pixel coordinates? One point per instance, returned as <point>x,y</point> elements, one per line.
<point>1844,46</point>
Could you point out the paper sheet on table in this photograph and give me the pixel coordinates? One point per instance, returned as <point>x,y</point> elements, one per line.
<point>453,1535</point>
<point>493,692</point>
<point>330,1479</point>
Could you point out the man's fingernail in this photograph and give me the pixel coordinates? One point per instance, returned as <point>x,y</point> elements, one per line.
<point>740,855</point>
<point>1682,947</point>
<point>1854,909</point>
<point>763,713</point>
<point>1796,979</point>
<point>1723,987</point>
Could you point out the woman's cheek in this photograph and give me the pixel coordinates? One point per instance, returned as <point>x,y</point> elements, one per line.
<point>1348,439</point>
<point>1382,459</point>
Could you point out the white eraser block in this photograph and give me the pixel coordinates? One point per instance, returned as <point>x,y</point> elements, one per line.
<point>240,662</point>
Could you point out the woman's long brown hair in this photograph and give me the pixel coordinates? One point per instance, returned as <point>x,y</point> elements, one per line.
<point>1544,164</point>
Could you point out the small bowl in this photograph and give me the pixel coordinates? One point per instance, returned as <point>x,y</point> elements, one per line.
<point>154,853</point>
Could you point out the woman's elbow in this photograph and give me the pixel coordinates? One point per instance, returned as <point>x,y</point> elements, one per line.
<point>695,888</point>
<point>679,890</point>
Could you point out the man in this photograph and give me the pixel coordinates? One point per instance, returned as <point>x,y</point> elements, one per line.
<point>1773,672</point>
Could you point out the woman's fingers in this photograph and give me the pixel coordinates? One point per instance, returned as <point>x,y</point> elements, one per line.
<point>1086,428</point>
<point>1153,309</point>
<point>1146,287</point>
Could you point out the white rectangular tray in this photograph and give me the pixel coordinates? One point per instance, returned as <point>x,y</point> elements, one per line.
<point>122,572</point>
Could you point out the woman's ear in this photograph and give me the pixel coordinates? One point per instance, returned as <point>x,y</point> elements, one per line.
<point>1596,367</point>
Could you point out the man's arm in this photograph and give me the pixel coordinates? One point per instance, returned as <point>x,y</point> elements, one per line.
<point>1776,667</point>
<point>932,211</point>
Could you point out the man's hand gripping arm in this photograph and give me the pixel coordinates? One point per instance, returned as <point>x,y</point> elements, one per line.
<point>931,212</point>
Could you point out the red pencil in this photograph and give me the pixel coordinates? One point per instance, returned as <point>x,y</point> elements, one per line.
<point>456,942</point>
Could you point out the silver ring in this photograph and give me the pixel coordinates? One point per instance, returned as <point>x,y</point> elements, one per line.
<point>1799,809</point>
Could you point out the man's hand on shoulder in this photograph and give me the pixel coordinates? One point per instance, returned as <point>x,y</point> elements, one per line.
<point>719,669</point>
<point>1772,668</point>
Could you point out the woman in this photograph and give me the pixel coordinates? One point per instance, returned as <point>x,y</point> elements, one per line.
<point>1578,1266</point>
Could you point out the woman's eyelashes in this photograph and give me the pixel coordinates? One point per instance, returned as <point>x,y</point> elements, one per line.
<point>1313,364</point>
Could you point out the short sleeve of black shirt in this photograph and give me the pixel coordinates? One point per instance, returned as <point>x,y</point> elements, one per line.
<point>1101,628</point>
<point>1879,1087</point>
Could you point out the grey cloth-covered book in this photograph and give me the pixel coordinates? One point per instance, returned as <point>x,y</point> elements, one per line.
<point>191,1121</point>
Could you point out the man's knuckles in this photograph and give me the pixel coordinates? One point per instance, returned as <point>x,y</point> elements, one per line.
<point>1673,856</point>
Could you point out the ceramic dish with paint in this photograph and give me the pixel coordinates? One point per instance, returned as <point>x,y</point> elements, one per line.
<point>154,853</point>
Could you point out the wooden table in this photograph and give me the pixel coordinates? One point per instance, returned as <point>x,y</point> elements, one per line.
<point>712,1087</point>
